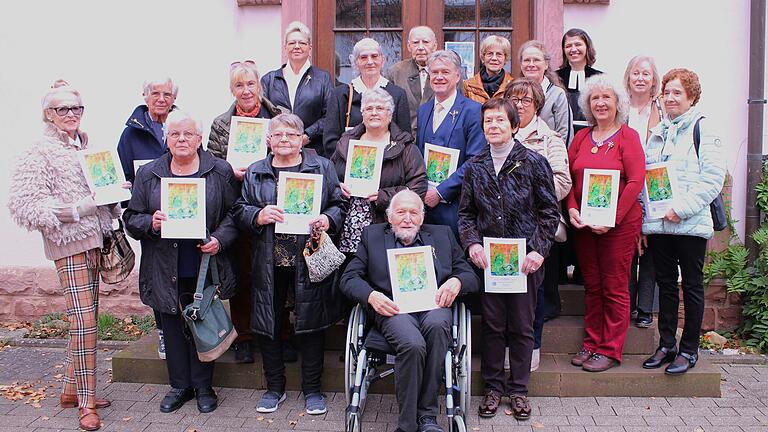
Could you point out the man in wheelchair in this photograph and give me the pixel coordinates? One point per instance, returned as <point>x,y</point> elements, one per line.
<point>420,339</point>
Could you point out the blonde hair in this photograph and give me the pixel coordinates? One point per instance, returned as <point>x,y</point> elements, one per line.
<point>297,27</point>
<point>243,72</point>
<point>656,86</point>
<point>60,88</point>
<point>492,40</point>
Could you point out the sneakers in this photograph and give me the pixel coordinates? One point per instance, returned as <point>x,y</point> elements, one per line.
<point>160,345</point>
<point>315,403</point>
<point>429,424</point>
<point>269,402</point>
<point>535,359</point>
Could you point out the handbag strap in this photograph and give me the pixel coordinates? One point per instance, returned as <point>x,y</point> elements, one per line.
<point>208,261</point>
<point>349,105</point>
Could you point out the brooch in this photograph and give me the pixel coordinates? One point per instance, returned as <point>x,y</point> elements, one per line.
<point>514,167</point>
<point>453,114</point>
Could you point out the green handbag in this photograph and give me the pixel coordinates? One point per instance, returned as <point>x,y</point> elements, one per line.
<point>206,317</point>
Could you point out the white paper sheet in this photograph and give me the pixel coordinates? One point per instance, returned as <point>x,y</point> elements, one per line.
<point>659,189</point>
<point>441,162</point>
<point>362,172</point>
<point>247,141</point>
<point>104,175</point>
<point>600,197</point>
<point>413,279</point>
<point>505,262</point>
<point>299,196</point>
<point>183,202</point>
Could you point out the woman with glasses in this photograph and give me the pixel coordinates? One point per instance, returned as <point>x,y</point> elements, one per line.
<point>528,97</point>
<point>301,87</point>
<point>278,268</point>
<point>169,267</point>
<point>249,102</point>
<point>492,79</point>
<point>344,112</point>
<point>49,194</point>
<point>402,168</point>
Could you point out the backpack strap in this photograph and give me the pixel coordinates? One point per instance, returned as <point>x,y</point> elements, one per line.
<point>697,136</point>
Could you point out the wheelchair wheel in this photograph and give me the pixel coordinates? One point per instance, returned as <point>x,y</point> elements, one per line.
<point>353,423</point>
<point>465,369</point>
<point>350,361</point>
<point>458,425</point>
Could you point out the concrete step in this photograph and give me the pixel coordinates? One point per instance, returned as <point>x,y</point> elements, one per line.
<point>572,300</point>
<point>555,377</point>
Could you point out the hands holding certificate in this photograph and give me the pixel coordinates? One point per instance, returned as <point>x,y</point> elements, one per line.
<point>270,214</point>
<point>347,192</point>
<point>447,292</point>
<point>532,262</point>
<point>575,218</point>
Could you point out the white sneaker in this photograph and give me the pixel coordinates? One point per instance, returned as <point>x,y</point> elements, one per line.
<point>160,345</point>
<point>535,359</point>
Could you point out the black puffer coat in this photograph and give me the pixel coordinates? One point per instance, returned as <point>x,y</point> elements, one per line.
<point>159,257</point>
<point>518,203</point>
<point>318,305</point>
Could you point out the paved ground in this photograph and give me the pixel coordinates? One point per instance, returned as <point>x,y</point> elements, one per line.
<point>743,407</point>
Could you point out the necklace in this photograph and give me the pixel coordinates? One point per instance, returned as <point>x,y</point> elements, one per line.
<point>599,142</point>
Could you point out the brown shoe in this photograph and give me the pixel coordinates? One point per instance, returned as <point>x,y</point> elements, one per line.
<point>521,407</point>
<point>70,401</point>
<point>599,363</point>
<point>490,404</point>
<point>89,419</point>
<point>581,356</point>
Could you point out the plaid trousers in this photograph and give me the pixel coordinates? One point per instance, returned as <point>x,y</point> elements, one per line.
<point>79,278</point>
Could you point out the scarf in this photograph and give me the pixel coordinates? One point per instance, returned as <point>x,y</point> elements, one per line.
<point>491,84</point>
<point>499,154</point>
<point>252,113</point>
<point>672,129</point>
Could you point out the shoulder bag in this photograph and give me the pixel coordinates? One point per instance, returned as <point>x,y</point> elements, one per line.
<point>116,260</point>
<point>716,207</point>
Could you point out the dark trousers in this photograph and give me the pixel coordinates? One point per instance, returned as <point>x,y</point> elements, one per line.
<point>311,346</point>
<point>508,321</point>
<point>687,252</point>
<point>642,283</point>
<point>240,303</point>
<point>605,261</point>
<point>420,340</point>
<point>548,295</point>
<point>184,367</point>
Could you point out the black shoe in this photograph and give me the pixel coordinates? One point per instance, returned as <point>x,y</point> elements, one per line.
<point>207,401</point>
<point>243,352</point>
<point>643,320</point>
<point>681,364</point>
<point>289,353</point>
<point>429,424</point>
<point>661,356</point>
<point>175,399</point>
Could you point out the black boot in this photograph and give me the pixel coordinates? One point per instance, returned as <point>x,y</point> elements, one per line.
<point>681,364</point>
<point>661,356</point>
<point>175,399</point>
<point>207,401</point>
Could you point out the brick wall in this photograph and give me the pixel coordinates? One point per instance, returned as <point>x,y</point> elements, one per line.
<point>31,292</point>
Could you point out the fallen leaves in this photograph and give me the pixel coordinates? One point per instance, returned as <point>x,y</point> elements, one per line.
<point>19,391</point>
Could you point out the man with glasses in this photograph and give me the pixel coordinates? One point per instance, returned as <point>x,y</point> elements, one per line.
<point>143,139</point>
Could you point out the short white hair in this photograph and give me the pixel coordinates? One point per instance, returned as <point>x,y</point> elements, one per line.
<point>297,27</point>
<point>377,95</point>
<point>147,86</point>
<point>424,29</point>
<point>363,44</point>
<point>178,116</point>
<point>403,194</point>
<point>603,81</point>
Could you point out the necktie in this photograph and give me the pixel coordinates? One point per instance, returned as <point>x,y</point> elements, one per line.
<point>437,118</point>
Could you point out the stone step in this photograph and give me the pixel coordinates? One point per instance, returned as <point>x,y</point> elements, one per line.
<point>555,377</point>
<point>572,299</point>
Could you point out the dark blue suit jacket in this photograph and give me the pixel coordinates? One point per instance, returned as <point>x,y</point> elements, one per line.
<point>462,129</point>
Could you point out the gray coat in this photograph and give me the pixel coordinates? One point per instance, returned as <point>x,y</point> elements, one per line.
<point>557,113</point>
<point>318,305</point>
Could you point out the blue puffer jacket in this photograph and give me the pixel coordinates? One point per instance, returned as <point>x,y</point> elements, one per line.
<point>699,179</point>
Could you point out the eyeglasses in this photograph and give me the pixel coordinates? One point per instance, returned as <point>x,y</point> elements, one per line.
<point>62,111</point>
<point>238,63</point>
<point>524,101</point>
<point>175,135</point>
<point>300,43</point>
<point>280,135</point>
<point>377,108</point>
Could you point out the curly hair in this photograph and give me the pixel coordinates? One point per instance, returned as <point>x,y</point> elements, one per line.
<point>604,82</point>
<point>688,79</point>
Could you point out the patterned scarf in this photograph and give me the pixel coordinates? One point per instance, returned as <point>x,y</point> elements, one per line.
<point>491,84</point>
<point>252,113</point>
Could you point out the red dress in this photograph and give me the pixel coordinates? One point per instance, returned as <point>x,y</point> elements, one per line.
<point>605,259</point>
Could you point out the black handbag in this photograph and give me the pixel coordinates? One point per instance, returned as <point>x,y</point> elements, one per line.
<point>716,207</point>
<point>206,317</point>
<point>116,259</point>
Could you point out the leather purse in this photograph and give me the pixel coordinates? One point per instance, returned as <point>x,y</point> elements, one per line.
<point>206,317</point>
<point>117,258</point>
<point>321,255</point>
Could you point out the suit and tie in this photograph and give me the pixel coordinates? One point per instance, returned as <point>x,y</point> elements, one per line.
<point>460,128</point>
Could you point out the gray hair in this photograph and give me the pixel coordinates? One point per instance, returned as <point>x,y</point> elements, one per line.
<point>147,86</point>
<point>425,29</point>
<point>59,89</point>
<point>178,116</point>
<point>403,194</point>
<point>286,119</point>
<point>603,81</point>
<point>447,56</point>
<point>377,95</point>
<point>297,27</point>
<point>363,44</point>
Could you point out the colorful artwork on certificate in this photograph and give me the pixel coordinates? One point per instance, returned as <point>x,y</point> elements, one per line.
<point>411,272</point>
<point>299,196</point>
<point>658,183</point>
<point>248,137</point>
<point>438,166</point>
<point>363,162</point>
<point>504,260</point>
<point>600,189</point>
<point>101,168</point>
<point>182,200</point>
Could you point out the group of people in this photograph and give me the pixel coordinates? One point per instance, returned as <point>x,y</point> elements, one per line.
<point>519,175</point>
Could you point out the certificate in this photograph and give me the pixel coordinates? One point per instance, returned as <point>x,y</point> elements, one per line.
<point>441,162</point>
<point>363,169</point>
<point>659,189</point>
<point>413,279</point>
<point>183,202</point>
<point>465,50</point>
<point>103,177</point>
<point>138,163</point>
<point>600,197</point>
<point>505,261</point>
<point>247,141</point>
<point>299,196</point>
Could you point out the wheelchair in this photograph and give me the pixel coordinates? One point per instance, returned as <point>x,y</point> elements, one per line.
<point>365,362</point>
